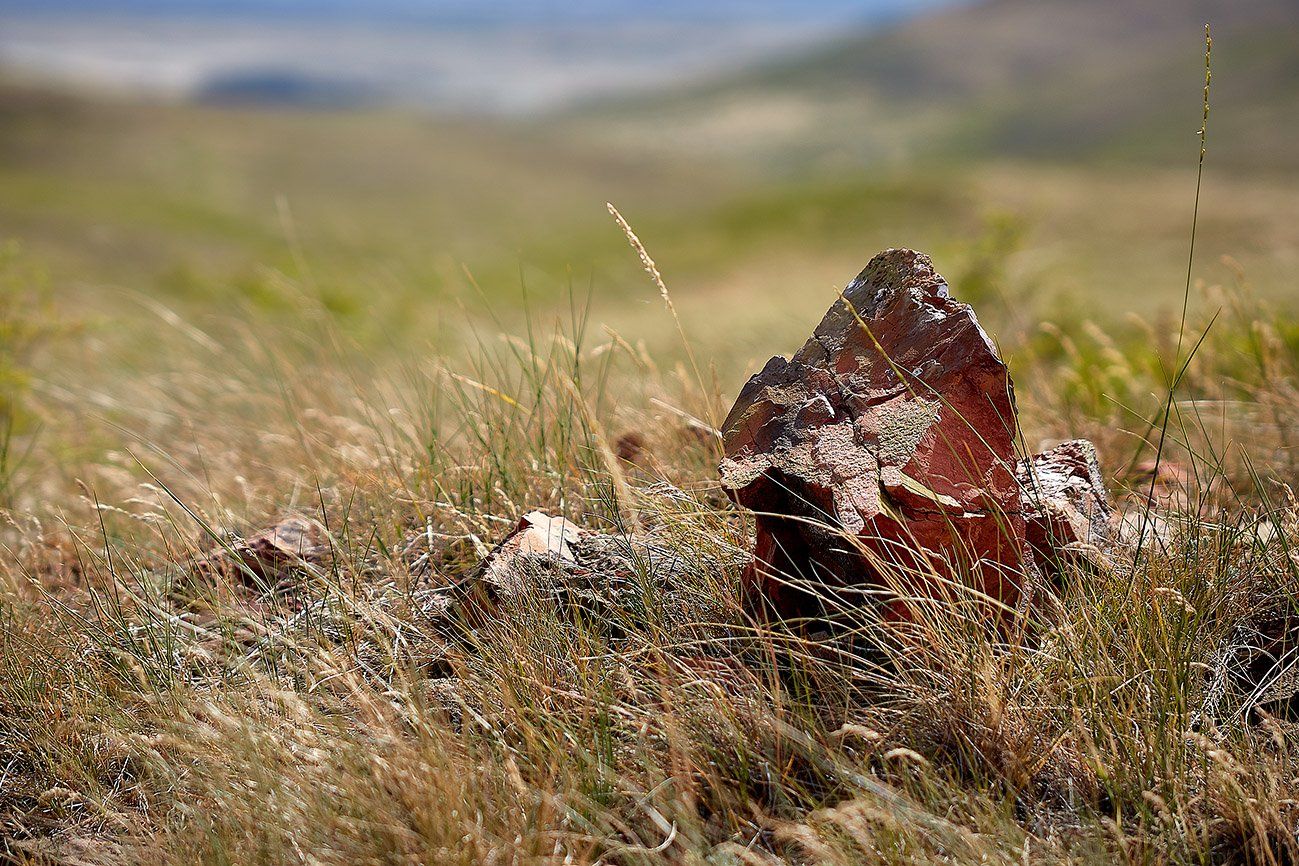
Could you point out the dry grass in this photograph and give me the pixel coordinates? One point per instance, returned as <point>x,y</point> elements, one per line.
<point>155,711</point>
<point>163,701</point>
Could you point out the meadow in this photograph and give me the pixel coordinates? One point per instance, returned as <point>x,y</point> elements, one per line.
<point>415,330</point>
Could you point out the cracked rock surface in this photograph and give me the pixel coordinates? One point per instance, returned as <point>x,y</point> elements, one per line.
<point>881,454</point>
<point>550,561</point>
<point>1066,507</point>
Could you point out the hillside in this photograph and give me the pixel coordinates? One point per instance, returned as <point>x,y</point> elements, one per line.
<point>508,57</point>
<point>1007,78</point>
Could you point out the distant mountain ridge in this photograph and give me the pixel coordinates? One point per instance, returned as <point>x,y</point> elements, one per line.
<point>1040,78</point>
<point>476,56</point>
<point>494,10</point>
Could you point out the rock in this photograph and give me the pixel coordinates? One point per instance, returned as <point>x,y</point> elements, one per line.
<point>611,578</point>
<point>881,452</point>
<point>1142,528</point>
<point>538,537</point>
<point>630,447</point>
<point>1066,507</point>
<point>266,560</point>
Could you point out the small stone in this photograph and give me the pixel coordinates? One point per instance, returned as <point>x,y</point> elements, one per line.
<point>1066,508</point>
<point>538,536</point>
<point>266,559</point>
<point>630,447</point>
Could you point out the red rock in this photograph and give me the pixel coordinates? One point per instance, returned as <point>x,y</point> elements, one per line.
<point>630,447</point>
<point>1066,507</point>
<point>264,559</point>
<point>882,452</point>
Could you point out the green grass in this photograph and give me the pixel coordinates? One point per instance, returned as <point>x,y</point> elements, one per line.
<point>380,216</point>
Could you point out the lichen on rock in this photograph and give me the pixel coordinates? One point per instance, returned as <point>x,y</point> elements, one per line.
<point>881,454</point>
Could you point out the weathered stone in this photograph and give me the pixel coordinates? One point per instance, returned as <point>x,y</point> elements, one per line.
<point>630,447</point>
<point>538,537</point>
<point>882,452</point>
<point>1066,508</point>
<point>266,559</point>
<point>611,576</point>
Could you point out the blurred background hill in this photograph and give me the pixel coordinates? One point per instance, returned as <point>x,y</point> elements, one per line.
<point>400,161</point>
<point>507,56</point>
<point>1021,78</point>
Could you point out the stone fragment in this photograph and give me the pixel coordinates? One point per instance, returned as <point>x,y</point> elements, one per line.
<point>265,560</point>
<point>610,577</point>
<point>1066,508</point>
<point>538,538</point>
<point>881,453</point>
<point>630,447</point>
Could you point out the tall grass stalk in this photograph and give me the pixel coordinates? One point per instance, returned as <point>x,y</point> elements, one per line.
<point>1179,367</point>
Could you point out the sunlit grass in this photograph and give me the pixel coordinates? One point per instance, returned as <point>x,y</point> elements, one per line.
<point>408,337</point>
<point>158,713</point>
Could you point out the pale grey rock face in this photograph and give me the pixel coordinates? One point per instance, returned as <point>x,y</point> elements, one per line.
<point>1066,507</point>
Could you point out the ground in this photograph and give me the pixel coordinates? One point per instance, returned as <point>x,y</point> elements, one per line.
<point>414,332</point>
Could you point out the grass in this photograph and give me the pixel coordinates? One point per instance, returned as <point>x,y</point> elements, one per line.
<point>381,215</point>
<point>282,346</point>
<point>158,713</point>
